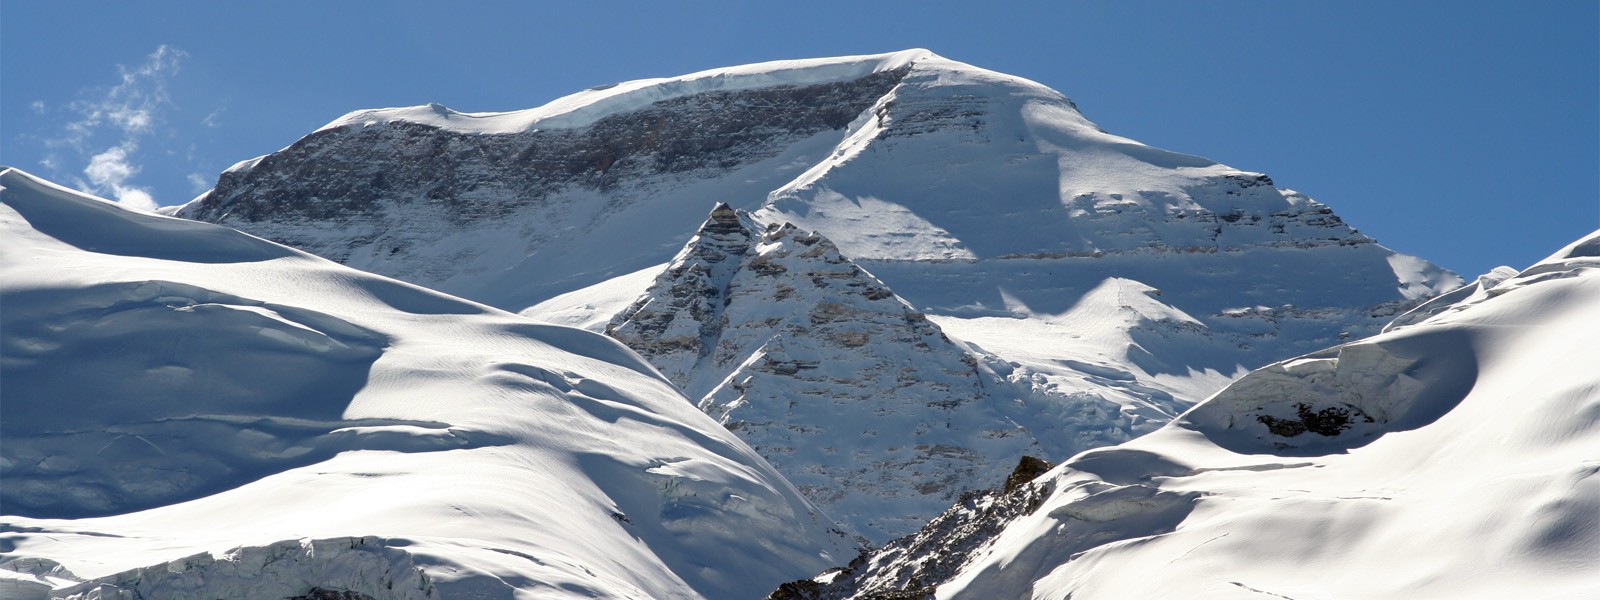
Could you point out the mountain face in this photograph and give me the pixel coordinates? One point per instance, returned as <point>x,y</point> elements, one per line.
<point>1452,456</point>
<point>904,157</point>
<point>195,412</point>
<point>1098,286</point>
<point>513,208</point>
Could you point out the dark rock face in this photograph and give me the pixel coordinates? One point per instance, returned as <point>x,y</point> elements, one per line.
<point>351,171</point>
<point>1028,469</point>
<point>697,294</point>
<point>1328,421</point>
<point>911,567</point>
<point>317,593</point>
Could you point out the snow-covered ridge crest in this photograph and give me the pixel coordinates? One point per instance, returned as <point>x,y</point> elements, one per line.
<point>590,105</point>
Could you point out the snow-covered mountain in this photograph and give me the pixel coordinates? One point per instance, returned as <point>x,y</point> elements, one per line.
<point>955,178</point>
<point>194,412</point>
<point>1457,455</point>
<point>1104,284</point>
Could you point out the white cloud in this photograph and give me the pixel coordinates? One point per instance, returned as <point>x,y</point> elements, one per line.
<point>211,119</point>
<point>38,106</point>
<point>110,171</point>
<point>132,106</point>
<point>105,128</point>
<point>198,183</point>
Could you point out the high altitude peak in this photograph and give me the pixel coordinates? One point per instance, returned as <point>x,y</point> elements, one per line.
<point>723,222</point>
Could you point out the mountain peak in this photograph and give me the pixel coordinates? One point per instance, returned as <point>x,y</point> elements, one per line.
<point>722,222</point>
<point>781,337</point>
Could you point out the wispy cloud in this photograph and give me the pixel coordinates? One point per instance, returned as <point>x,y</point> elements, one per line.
<point>105,129</point>
<point>110,171</point>
<point>198,183</point>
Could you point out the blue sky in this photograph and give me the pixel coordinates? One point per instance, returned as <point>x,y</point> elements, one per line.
<point>1467,133</point>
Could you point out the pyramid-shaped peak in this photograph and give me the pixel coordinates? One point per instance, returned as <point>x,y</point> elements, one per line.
<point>723,222</point>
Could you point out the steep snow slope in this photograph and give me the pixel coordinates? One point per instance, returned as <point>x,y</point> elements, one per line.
<point>242,418</point>
<point>1455,456</point>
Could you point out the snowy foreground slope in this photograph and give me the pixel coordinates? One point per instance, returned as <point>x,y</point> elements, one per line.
<point>1456,455</point>
<point>193,412</point>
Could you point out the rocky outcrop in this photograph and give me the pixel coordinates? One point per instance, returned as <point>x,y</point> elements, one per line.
<point>911,566</point>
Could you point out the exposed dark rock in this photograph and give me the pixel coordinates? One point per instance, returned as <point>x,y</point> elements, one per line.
<point>1028,469</point>
<point>909,568</point>
<point>352,170</point>
<point>317,593</point>
<point>1329,421</point>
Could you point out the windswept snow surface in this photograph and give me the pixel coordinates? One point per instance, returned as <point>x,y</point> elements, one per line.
<point>1456,456</point>
<point>219,411</point>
